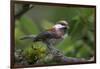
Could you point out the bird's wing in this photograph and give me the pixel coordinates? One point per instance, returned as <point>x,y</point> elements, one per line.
<point>46,35</point>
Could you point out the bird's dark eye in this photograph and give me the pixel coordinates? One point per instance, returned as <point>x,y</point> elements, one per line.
<point>62,24</point>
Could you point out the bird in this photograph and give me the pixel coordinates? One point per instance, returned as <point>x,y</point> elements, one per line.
<point>48,36</point>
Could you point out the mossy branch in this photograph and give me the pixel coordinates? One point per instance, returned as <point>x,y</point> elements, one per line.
<point>59,57</point>
<point>53,55</point>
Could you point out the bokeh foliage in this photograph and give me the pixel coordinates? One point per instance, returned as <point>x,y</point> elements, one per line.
<point>80,40</point>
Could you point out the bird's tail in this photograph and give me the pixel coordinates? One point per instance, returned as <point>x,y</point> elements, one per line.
<point>31,37</point>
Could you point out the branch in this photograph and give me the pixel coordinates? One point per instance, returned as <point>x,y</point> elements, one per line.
<point>53,54</point>
<point>21,9</point>
<point>59,57</point>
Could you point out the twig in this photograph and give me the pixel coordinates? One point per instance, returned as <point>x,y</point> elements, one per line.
<point>24,9</point>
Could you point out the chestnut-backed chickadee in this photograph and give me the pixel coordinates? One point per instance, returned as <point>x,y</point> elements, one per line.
<point>56,32</point>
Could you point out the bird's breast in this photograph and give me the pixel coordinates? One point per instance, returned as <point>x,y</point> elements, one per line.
<point>58,33</point>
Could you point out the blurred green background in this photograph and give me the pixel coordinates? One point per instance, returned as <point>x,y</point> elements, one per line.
<point>80,40</point>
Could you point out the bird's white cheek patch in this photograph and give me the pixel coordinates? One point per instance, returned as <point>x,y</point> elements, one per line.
<point>57,26</point>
